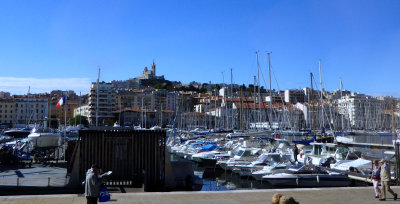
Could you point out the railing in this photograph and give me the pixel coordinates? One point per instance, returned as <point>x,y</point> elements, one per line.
<point>33,182</point>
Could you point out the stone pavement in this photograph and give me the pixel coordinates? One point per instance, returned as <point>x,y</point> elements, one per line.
<point>36,176</point>
<point>343,195</point>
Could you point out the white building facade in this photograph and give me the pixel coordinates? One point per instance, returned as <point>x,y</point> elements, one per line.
<point>106,103</point>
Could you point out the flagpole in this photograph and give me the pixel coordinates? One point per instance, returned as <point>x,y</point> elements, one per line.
<point>65,123</point>
<point>80,109</point>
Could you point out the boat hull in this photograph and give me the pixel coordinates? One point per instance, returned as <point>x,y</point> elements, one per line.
<point>308,180</point>
<point>43,140</point>
<point>17,134</point>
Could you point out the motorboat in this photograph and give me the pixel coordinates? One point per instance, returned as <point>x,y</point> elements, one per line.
<point>116,125</point>
<point>266,170</point>
<point>301,175</point>
<point>263,160</point>
<point>348,165</point>
<point>205,152</point>
<point>19,132</point>
<point>324,154</point>
<point>42,137</point>
<point>242,156</point>
<point>155,128</point>
<point>4,139</point>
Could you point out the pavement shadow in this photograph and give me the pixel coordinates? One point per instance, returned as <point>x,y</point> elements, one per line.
<point>4,168</point>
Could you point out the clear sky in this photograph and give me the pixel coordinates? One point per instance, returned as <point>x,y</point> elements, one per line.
<point>59,44</point>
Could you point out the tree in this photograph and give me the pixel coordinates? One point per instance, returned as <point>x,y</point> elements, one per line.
<point>79,120</point>
<point>158,86</point>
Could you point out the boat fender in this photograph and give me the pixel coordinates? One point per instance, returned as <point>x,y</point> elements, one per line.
<point>317,178</point>
<point>297,180</point>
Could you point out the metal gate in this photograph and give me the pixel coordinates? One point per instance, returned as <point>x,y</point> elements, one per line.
<point>135,157</point>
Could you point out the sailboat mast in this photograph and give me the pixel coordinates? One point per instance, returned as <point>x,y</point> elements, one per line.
<point>312,105</point>
<point>225,120</point>
<point>396,144</point>
<point>322,101</point>
<point>232,101</point>
<point>341,95</point>
<point>270,89</point>
<point>258,86</point>
<point>241,110</point>
<point>255,98</point>
<point>215,106</point>
<point>80,109</point>
<point>141,109</point>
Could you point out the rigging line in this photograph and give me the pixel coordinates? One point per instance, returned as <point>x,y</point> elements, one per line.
<point>329,106</point>
<point>262,104</point>
<point>283,102</point>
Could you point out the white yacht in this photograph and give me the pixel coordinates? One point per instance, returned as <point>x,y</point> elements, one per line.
<point>265,159</point>
<point>323,154</point>
<point>307,176</point>
<point>42,137</point>
<point>242,156</point>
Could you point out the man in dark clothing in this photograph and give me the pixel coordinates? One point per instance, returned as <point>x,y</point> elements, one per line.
<point>92,184</point>
<point>295,152</point>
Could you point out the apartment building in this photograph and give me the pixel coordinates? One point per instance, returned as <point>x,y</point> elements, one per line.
<point>363,112</point>
<point>29,110</point>
<point>6,111</point>
<point>106,103</point>
<point>82,110</point>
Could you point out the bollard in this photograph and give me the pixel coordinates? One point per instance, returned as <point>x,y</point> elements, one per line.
<point>48,182</point>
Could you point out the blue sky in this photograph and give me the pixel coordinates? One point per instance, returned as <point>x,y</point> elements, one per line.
<point>59,44</point>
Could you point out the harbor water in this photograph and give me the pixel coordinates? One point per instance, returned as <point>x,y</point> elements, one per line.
<point>220,180</point>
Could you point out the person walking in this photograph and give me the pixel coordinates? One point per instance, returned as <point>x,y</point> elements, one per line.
<point>385,180</point>
<point>93,184</point>
<point>295,152</point>
<point>376,178</point>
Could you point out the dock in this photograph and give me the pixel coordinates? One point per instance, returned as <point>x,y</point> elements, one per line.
<point>352,175</point>
<point>367,145</point>
<point>349,195</point>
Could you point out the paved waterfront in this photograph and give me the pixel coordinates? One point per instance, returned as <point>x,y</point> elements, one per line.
<point>304,196</point>
<point>36,176</point>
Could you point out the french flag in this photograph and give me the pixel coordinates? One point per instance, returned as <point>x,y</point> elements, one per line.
<point>61,102</point>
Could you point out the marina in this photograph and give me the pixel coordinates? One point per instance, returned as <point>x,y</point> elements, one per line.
<point>350,164</point>
<point>200,102</point>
